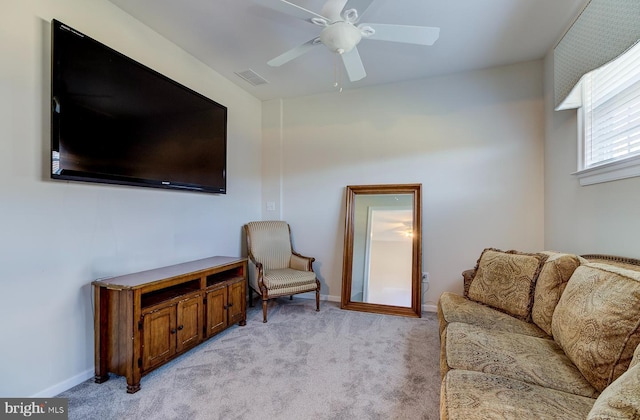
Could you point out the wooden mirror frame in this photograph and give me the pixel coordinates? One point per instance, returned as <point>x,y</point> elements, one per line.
<point>415,310</point>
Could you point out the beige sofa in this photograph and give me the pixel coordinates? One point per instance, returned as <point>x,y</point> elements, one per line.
<point>542,336</point>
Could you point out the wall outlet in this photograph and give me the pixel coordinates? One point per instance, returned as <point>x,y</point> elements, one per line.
<point>425,283</point>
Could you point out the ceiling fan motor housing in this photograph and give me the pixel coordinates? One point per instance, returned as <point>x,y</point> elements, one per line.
<point>340,37</point>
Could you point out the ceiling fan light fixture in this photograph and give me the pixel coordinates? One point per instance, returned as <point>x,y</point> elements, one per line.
<point>340,36</point>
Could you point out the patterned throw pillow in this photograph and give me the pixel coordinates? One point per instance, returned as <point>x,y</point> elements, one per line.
<point>621,399</point>
<point>597,321</point>
<point>552,280</point>
<point>506,280</point>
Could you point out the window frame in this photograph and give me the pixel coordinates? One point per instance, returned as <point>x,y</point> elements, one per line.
<point>626,167</point>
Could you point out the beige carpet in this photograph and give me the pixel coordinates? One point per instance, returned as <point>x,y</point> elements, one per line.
<point>302,364</point>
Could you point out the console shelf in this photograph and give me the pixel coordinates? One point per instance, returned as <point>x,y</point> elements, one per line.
<point>169,293</point>
<point>145,319</point>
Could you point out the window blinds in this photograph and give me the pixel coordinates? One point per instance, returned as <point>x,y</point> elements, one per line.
<point>603,31</point>
<point>611,101</point>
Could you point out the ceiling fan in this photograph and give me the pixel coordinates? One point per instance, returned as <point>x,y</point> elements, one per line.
<point>342,31</point>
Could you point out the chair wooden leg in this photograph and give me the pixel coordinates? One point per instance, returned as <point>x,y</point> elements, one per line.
<point>291,297</point>
<point>318,300</point>
<point>264,310</point>
<point>250,297</point>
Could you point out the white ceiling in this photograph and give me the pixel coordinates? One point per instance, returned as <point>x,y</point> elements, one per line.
<point>236,35</point>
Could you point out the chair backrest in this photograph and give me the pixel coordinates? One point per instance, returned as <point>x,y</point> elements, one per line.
<point>270,243</point>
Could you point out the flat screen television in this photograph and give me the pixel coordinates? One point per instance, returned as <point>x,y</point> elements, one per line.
<point>116,121</point>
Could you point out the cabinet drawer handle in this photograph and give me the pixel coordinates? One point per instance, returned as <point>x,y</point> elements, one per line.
<point>180,327</point>
<point>230,305</point>
<point>173,330</point>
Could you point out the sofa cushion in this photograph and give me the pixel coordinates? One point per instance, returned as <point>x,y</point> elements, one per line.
<point>597,321</point>
<point>553,278</point>
<point>537,361</point>
<point>621,399</point>
<point>505,280</point>
<point>455,308</point>
<point>468,395</point>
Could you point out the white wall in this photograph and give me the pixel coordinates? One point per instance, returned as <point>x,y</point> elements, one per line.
<point>474,141</point>
<point>57,236</point>
<point>600,218</point>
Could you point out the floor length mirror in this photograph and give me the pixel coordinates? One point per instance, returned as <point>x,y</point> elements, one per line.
<point>382,264</point>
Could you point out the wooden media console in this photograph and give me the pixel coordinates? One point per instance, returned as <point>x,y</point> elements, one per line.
<point>145,319</point>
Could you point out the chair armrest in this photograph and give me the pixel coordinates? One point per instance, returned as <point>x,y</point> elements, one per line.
<point>300,262</point>
<point>256,271</point>
<point>468,275</point>
<point>254,262</point>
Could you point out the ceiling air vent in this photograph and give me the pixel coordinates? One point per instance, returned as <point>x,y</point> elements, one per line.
<point>252,77</point>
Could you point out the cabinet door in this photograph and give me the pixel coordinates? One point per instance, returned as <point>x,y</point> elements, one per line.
<point>189,322</point>
<point>237,302</point>
<point>216,311</point>
<point>158,336</point>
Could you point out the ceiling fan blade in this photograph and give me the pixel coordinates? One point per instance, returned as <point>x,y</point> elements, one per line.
<point>360,5</point>
<point>421,35</point>
<point>293,53</point>
<point>290,9</point>
<point>353,65</point>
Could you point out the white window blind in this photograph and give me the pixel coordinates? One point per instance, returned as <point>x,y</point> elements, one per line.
<point>611,110</point>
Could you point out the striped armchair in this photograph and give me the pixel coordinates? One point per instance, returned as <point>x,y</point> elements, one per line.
<point>274,268</point>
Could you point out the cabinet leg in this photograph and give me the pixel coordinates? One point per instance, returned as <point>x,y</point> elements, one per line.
<point>101,378</point>
<point>102,299</point>
<point>132,389</point>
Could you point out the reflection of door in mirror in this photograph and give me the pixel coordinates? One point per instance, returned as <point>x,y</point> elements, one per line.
<point>382,262</point>
<point>382,249</point>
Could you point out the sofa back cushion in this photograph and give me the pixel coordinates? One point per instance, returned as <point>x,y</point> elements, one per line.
<point>621,399</point>
<point>597,321</point>
<point>505,280</point>
<point>553,278</point>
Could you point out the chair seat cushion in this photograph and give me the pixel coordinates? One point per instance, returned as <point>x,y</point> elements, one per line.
<point>286,281</point>
<point>469,395</point>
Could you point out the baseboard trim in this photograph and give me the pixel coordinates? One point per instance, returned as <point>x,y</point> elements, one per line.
<point>312,295</point>
<point>429,308</point>
<point>330,298</point>
<point>60,387</point>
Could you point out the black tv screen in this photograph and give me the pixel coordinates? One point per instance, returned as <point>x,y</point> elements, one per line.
<point>117,121</point>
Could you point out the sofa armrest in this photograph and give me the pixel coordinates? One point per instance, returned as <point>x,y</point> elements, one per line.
<point>300,262</point>
<point>467,275</point>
